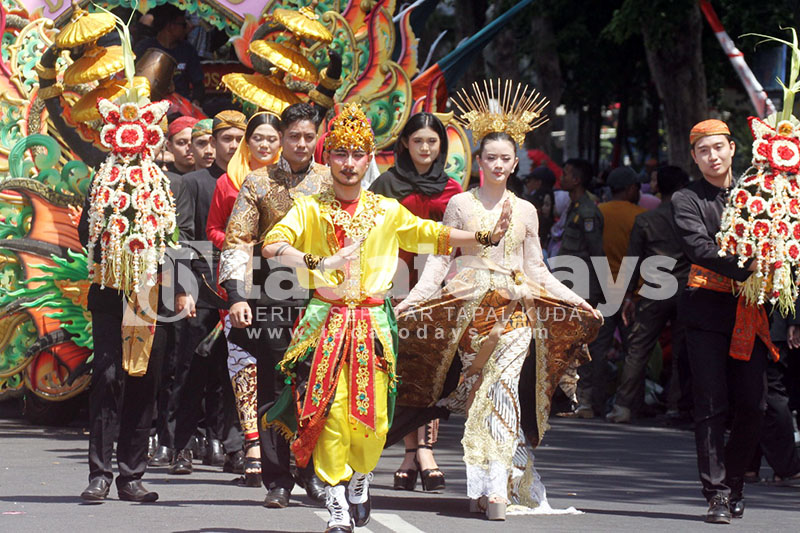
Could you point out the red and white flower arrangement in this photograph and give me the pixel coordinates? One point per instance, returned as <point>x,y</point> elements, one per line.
<point>132,211</point>
<point>762,219</point>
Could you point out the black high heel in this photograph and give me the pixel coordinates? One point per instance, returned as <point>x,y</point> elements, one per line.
<point>406,479</point>
<point>432,478</point>
<point>252,465</point>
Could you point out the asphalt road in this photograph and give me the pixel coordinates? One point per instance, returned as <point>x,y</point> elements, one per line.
<point>623,478</point>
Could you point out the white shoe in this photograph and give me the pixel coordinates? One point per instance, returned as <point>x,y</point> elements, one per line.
<point>336,502</point>
<point>619,415</point>
<point>358,498</point>
<point>584,411</point>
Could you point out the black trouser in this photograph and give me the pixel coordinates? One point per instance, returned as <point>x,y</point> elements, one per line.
<point>652,317</point>
<point>168,384</point>
<point>206,378</point>
<point>777,435</point>
<point>724,386</point>
<point>594,375</point>
<point>267,339</point>
<point>120,405</point>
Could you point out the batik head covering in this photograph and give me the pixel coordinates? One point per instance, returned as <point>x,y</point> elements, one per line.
<point>707,128</point>
<point>203,127</point>
<point>229,119</point>
<point>180,124</point>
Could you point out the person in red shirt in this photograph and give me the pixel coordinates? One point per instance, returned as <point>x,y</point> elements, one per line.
<point>261,147</point>
<point>419,182</point>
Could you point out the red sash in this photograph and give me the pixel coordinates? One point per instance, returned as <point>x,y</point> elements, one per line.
<point>751,320</point>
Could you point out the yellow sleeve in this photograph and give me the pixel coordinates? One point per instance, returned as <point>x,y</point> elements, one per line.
<point>420,236</point>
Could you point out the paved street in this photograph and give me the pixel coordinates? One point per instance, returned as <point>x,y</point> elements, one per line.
<point>623,478</point>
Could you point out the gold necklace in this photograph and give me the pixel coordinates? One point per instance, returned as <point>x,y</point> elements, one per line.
<point>357,227</point>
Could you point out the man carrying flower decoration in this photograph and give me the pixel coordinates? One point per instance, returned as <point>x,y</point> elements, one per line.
<point>341,361</point>
<point>727,339</point>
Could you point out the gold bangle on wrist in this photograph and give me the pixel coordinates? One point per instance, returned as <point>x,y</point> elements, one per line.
<point>312,261</point>
<point>485,238</point>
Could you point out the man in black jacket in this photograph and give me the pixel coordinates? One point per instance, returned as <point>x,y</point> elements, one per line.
<point>205,372</point>
<point>725,381</point>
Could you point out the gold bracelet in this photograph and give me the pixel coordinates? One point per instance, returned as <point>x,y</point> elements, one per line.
<point>312,261</point>
<point>329,83</point>
<point>51,92</point>
<point>485,238</point>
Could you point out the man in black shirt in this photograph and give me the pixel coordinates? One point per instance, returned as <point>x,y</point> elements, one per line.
<point>205,374</point>
<point>725,382</point>
<point>652,236</point>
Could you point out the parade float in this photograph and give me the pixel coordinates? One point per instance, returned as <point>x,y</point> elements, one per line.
<point>55,67</point>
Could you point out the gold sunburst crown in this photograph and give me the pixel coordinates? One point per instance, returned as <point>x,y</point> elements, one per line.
<point>501,107</point>
<point>350,129</point>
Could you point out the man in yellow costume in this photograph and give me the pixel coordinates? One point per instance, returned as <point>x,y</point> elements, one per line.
<point>342,359</point>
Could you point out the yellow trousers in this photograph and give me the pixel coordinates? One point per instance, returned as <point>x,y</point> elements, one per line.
<point>345,445</point>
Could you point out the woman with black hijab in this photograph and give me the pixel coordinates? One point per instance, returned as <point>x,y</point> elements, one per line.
<point>418,181</point>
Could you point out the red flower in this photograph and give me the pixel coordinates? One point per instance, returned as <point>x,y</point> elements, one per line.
<point>769,181</point>
<point>739,228</point>
<point>783,228</point>
<point>796,231</point>
<point>760,228</point>
<point>765,249</point>
<point>747,250</point>
<point>794,206</point>
<point>147,116</point>
<point>741,198</point>
<point>794,251</point>
<point>778,264</point>
<point>756,205</point>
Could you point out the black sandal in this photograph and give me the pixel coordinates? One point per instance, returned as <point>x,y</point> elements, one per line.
<point>406,479</point>
<point>432,478</point>
<point>252,465</point>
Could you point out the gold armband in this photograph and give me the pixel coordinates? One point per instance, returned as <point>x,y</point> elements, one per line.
<point>45,73</point>
<point>51,92</point>
<point>321,99</point>
<point>329,83</point>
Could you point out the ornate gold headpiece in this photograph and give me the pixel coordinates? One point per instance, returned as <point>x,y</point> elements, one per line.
<point>513,110</point>
<point>350,129</point>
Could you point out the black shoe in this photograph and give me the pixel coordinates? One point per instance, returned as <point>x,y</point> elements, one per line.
<point>162,457</point>
<point>182,463</point>
<point>277,498</point>
<point>719,511</point>
<point>97,490</point>
<point>234,463</point>
<point>339,529</point>
<point>737,507</point>
<point>315,489</point>
<point>359,512</point>
<point>215,455</point>
<point>134,491</point>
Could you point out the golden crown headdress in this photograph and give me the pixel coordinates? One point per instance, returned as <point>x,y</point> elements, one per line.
<point>350,129</point>
<point>506,108</point>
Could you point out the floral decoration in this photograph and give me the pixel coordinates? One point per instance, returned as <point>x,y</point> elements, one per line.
<point>132,212</point>
<point>762,219</point>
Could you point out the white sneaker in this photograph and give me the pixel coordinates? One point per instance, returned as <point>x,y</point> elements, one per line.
<point>358,488</point>
<point>619,415</point>
<point>336,502</point>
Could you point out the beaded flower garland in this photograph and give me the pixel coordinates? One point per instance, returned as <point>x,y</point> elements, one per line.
<point>132,212</point>
<point>762,218</point>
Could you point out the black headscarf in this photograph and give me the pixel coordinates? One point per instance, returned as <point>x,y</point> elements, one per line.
<point>403,179</point>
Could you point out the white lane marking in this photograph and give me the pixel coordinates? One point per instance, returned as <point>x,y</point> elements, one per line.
<point>395,523</point>
<point>325,515</point>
